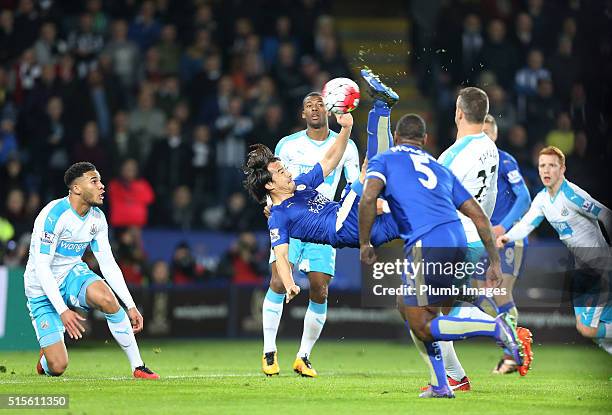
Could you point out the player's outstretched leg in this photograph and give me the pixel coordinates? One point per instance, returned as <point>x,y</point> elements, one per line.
<point>100,297</point>
<point>271,313</point>
<point>380,138</point>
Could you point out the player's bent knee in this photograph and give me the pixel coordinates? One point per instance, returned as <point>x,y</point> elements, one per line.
<point>57,367</point>
<point>105,300</point>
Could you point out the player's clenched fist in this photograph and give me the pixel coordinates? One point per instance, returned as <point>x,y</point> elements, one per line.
<point>344,120</point>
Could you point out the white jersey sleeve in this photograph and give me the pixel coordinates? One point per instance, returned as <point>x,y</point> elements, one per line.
<point>45,238</point>
<point>101,248</point>
<point>529,221</point>
<point>589,207</point>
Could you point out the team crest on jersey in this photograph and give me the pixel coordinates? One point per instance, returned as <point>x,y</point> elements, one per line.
<point>47,238</point>
<point>44,324</point>
<point>93,230</point>
<point>300,187</point>
<point>564,212</point>
<point>274,235</point>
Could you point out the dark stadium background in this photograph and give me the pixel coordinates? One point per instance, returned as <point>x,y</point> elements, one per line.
<point>181,88</point>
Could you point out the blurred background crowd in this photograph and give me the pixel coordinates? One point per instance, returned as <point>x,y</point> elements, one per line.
<point>165,97</point>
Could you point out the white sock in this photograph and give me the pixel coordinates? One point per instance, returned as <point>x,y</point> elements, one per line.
<point>470,311</point>
<point>314,320</point>
<point>271,313</point>
<point>121,329</point>
<point>451,361</point>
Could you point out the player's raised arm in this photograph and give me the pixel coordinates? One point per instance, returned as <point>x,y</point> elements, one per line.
<point>528,223</point>
<point>283,266</point>
<point>334,154</point>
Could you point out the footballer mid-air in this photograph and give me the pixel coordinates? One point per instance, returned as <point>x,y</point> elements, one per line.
<point>57,281</point>
<point>299,211</point>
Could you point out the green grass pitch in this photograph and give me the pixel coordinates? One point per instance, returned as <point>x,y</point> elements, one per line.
<point>373,377</point>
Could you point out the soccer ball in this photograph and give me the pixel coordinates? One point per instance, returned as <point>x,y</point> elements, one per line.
<point>341,95</point>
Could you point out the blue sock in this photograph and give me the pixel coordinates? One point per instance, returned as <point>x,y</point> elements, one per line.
<point>380,138</point>
<point>432,355</point>
<point>454,328</point>
<point>504,308</point>
<point>487,305</point>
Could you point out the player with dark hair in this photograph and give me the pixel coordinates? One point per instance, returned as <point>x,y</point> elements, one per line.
<point>423,197</point>
<point>57,281</point>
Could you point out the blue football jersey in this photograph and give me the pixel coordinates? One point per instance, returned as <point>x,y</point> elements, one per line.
<point>509,177</point>
<point>307,215</point>
<point>421,193</point>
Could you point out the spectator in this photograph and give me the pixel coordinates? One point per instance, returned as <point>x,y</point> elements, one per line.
<point>580,111</point>
<point>272,42</point>
<point>233,129</point>
<point>498,55</point>
<point>144,29</point>
<point>46,87</point>
<point>204,86</point>
<point>99,17</point>
<point>169,95</point>
<point>518,145</point>
<point>25,73</point>
<point>146,122</point>
<point>181,213</point>
<point>523,35</point>
<point>90,149</point>
<point>8,141</point>
<point>48,47</point>
<point>12,177</point>
<point>193,59</point>
<point>528,77</point>
<point>565,69</point>
<point>151,71</point>
<point>241,263</point>
<point>183,266</point>
<point>169,51</point>
<point>160,275</point>
<point>203,165</point>
<point>262,95</point>
<point>563,136</point>
<point>169,165</point>
<point>542,110</point>
<point>332,60</point>
<point>124,143</point>
<point>49,151</point>
<point>8,38</point>
<point>130,197</point>
<point>272,128</point>
<point>130,256</point>
<point>85,44</point>
<point>581,165</point>
<point>27,24</point>
<point>15,212</point>
<point>501,109</point>
<point>286,71</point>
<point>124,54</point>
<point>237,215</point>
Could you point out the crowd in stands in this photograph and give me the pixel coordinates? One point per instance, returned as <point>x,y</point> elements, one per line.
<point>164,98</point>
<point>546,66</point>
